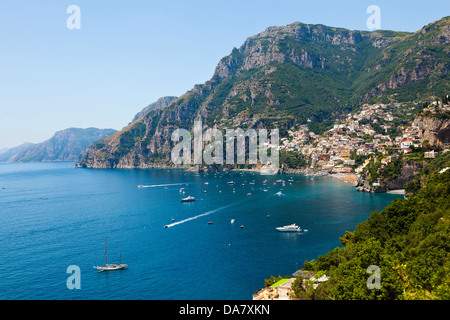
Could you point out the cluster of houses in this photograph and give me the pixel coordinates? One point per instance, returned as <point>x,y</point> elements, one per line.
<point>335,151</point>
<point>282,289</point>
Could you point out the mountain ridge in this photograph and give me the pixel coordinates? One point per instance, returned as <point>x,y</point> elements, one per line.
<point>160,103</point>
<point>65,145</point>
<point>287,76</point>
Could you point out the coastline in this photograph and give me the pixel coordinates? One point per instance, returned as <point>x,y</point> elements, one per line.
<point>351,178</point>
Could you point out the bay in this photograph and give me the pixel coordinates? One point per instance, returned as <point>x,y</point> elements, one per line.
<point>54,215</point>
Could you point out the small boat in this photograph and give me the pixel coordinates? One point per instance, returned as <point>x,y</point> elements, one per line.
<point>210,222</point>
<point>140,186</point>
<point>230,182</point>
<point>111,267</point>
<point>290,228</point>
<point>232,220</point>
<point>188,199</point>
<point>242,226</point>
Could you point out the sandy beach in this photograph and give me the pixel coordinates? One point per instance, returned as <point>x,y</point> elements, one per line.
<point>398,191</point>
<point>346,177</point>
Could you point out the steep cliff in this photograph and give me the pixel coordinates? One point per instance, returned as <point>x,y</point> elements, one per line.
<point>406,172</point>
<point>434,128</point>
<point>290,75</point>
<point>160,103</point>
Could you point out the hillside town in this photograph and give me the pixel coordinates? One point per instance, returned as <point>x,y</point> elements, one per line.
<point>379,130</point>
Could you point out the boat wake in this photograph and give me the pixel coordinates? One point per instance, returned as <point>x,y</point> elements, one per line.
<point>201,215</point>
<point>159,185</point>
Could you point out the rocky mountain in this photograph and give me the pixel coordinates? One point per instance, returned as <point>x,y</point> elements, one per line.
<point>287,76</point>
<point>8,153</point>
<point>66,145</point>
<point>160,103</point>
<point>434,128</point>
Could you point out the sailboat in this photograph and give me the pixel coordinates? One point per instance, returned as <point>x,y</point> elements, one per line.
<point>111,267</point>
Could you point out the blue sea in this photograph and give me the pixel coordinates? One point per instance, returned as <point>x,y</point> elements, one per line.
<point>54,216</point>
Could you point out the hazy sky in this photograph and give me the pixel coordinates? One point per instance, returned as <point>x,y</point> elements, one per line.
<point>127,54</point>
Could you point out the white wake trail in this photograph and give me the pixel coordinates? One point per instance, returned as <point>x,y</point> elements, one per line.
<point>201,215</point>
<point>160,185</point>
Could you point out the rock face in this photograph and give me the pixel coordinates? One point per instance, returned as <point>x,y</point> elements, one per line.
<point>362,184</point>
<point>434,129</point>
<point>160,103</point>
<point>286,76</point>
<point>66,145</point>
<point>408,172</point>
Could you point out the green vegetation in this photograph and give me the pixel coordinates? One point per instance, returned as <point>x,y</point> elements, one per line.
<point>393,169</point>
<point>409,241</point>
<point>272,280</point>
<point>293,159</point>
<point>434,165</point>
<point>378,172</point>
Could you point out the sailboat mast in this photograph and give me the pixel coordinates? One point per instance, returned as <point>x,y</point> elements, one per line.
<point>106,263</point>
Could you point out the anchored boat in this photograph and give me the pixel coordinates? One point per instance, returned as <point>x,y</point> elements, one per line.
<point>290,228</point>
<point>111,267</point>
<point>188,199</point>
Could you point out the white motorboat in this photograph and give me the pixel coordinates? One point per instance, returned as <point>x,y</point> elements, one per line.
<point>188,199</point>
<point>290,228</point>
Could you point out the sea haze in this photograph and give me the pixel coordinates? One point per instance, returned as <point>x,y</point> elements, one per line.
<point>54,216</point>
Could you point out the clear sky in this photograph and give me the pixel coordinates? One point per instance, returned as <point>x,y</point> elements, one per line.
<point>127,54</point>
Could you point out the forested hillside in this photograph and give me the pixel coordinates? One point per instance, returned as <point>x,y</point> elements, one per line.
<point>409,241</point>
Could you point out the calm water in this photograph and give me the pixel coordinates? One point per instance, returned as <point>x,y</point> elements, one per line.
<point>53,216</point>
